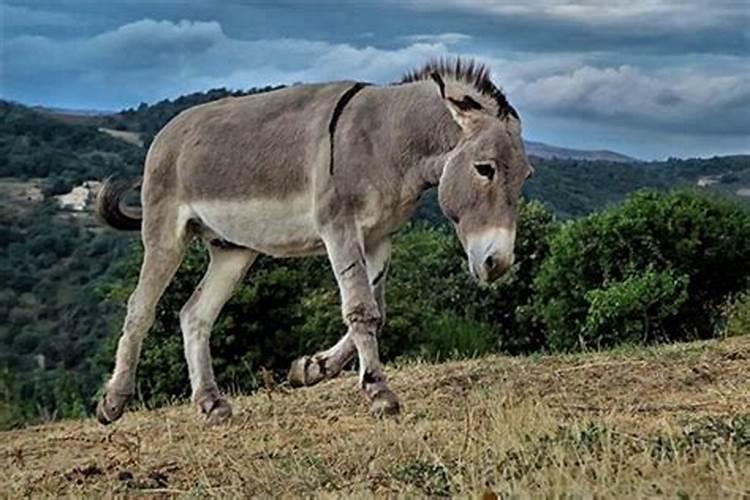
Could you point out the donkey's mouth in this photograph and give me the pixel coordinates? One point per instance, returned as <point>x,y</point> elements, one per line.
<point>489,269</point>
<point>490,253</point>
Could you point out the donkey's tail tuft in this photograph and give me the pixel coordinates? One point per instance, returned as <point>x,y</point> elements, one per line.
<point>110,207</point>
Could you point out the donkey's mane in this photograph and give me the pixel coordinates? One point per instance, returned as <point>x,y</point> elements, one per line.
<point>468,71</point>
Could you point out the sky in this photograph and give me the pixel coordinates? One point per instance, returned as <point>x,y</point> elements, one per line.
<point>648,78</point>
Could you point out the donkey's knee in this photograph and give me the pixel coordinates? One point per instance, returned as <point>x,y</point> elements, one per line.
<point>363,315</point>
<point>193,325</point>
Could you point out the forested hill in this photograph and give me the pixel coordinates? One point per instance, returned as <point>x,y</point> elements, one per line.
<point>37,145</point>
<point>573,188</point>
<point>146,120</point>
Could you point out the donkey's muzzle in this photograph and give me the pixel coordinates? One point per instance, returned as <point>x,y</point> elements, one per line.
<point>490,268</point>
<point>495,267</point>
<point>491,254</point>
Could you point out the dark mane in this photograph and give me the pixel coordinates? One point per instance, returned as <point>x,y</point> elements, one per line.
<point>467,71</point>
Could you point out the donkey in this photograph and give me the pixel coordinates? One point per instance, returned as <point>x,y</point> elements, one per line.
<point>329,168</point>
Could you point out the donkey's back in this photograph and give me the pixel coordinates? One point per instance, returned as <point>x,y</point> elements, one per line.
<point>263,145</point>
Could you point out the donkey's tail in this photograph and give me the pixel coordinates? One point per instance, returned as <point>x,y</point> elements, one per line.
<point>110,207</point>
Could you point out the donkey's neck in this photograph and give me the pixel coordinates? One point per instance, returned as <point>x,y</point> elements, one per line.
<point>428,134</point>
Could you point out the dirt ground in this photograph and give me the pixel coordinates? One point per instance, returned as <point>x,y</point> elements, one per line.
<point>669,422</point>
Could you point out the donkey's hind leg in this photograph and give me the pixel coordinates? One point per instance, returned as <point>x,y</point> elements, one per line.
<point>309,370</point>
<point>225,270</point>
<point>161,258</point>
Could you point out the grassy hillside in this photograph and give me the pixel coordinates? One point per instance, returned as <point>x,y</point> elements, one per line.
<point>669,422</point>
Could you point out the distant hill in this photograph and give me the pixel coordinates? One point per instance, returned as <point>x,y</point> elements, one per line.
<point>548,152</point>
<point>74,116</point>
<point>72,112</point>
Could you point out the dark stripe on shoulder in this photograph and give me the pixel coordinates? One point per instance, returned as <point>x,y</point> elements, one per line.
<point>343,101</point>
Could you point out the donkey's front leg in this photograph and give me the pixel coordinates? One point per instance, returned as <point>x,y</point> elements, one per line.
<point>309,370</point>
<point>362,316</point>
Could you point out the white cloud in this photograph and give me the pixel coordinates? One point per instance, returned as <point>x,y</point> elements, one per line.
<point>147,60</point>
<point>669,99</point>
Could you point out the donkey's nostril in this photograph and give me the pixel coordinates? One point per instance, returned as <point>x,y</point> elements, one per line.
<point>489,262</point>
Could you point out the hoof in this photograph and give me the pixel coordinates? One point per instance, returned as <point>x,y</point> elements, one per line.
<point>384,404</point>
<point>305,371</point>
<point>107,412</point>
<point>219,413</point>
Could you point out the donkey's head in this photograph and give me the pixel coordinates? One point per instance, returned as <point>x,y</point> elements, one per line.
<point>482,179</point>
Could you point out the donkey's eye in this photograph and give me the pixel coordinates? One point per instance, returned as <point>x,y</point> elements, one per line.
<point>485,170</point>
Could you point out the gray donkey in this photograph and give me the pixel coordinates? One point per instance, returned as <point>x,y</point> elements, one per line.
<point>330,168</point>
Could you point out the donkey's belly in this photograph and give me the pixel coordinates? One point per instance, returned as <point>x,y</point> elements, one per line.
<point>279,228</point>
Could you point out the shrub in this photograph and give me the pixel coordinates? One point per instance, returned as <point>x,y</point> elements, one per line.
<point>702,241</point>
<point>737,313</point>
<point>634,309</point>
<point>450,336</point>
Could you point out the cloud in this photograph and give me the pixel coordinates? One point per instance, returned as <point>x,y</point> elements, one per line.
<point>148,59</point>
<point>628,26</point>
<point>672,99</point>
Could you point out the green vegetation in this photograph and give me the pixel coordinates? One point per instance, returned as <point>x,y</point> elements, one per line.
<point>737,313</point>
<point>658,268</point>
<point>574,188</point>
<point>35,146</point>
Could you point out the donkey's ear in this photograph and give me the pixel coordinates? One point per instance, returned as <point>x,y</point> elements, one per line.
<point>466,111</point>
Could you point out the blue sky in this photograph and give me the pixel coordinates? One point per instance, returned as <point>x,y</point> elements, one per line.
<point>649,78</point>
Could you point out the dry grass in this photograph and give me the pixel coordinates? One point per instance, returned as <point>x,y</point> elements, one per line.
<point>669,422</point>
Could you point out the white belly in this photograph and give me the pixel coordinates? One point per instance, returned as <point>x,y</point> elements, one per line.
<point>279,228</point>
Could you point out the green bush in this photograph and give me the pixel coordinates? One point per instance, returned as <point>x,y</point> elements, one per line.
<point>634,309</point>
<point>702,242</point>
<point>449,336</point>
<point>737,313</point>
